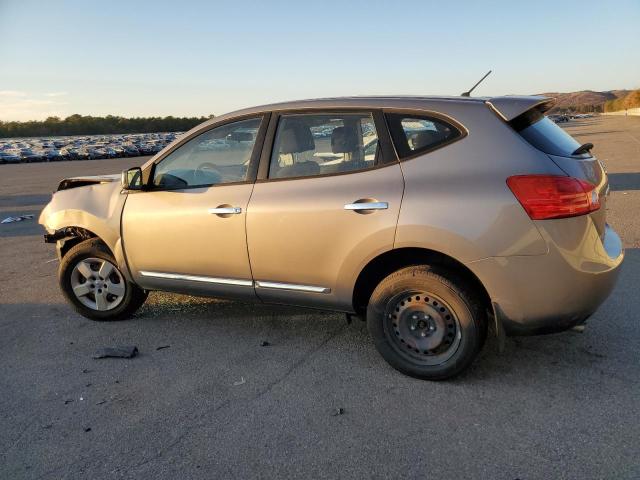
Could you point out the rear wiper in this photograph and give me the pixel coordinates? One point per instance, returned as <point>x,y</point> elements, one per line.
<point>584,148</point>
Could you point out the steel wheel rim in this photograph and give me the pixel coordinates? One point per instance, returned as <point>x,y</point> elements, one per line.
<point>422,327</point>
<point>98,284</point>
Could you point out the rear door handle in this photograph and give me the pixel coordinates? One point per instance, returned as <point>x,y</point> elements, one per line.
<point>359,206</point>
<point>225,210</point>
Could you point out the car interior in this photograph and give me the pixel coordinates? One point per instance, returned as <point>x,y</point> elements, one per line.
<point>422,133</point>
<point>294,140</point>
<point>298,153</point>
<point>220,155</point>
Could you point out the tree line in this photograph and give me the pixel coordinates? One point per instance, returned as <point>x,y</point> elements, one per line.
<point>630,100</point>
<point>88,125</point>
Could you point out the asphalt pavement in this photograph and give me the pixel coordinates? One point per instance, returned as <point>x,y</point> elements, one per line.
<point>204,398</point>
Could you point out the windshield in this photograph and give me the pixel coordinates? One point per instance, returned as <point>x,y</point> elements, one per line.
<point>544,134</point>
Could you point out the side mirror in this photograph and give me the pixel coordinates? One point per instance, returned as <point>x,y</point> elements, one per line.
<point>132,179</point>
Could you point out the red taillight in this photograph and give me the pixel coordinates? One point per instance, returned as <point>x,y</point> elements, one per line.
<point>551,196</point>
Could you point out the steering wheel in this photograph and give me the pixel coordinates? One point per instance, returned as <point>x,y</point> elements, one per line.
<point>205,170</point>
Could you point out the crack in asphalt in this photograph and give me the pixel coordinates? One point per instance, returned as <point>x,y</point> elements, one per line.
<point>296,365</point>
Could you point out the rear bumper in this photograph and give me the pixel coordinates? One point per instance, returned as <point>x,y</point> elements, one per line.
<point>553,292</point>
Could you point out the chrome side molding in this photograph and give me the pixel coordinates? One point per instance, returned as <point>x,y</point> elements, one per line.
<point>197,278</point>
<point>292,286</point>
<point>237,281</point>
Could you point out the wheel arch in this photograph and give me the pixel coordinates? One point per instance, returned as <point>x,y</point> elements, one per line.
<point>69,237</point>
<point>388,262</point>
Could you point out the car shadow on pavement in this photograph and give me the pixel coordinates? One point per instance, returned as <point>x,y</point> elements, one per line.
<point>586,134</point>
<point>206,327</point>
<point>24,200</point>
<point>624,181</point>
<point>534,356</point>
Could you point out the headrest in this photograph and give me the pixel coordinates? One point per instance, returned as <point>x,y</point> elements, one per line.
<point>425,138</point>
<point>295,138</point>
<point>344,140</point>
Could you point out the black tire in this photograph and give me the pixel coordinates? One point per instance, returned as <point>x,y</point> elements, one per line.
<point>450,329</point>
<point>132,299</point>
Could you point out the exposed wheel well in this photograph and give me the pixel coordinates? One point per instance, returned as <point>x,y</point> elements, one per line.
<point>388,262</point>
<point>74,236</point>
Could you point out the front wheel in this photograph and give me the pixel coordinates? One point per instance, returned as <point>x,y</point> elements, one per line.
<point>425,323</point>
<point>92,283</point>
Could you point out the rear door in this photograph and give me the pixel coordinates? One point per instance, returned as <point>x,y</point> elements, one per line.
<point>326,201</point>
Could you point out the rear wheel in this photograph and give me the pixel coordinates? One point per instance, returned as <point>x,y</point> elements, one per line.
<point>426,323</point>
<point>93,284</point>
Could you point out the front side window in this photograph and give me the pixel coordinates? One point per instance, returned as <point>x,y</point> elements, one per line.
<point>320,144</point>
<point>220,155</point>
<point>415,134</point>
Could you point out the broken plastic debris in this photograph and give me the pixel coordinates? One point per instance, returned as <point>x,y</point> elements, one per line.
<point>338,411</point>
<point>117,352</point>
<point>239,382</point>
<point>265,344</point>
<point>19,218</point>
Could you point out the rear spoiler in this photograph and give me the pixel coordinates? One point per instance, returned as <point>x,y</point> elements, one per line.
<point>510,107</point>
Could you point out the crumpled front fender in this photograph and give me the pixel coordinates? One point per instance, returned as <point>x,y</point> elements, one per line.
<point>96,208</point>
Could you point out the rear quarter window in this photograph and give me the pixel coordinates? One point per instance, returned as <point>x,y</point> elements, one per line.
<point>416,134</point>
<point>542,133</point>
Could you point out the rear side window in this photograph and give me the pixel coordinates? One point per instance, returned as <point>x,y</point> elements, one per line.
<point>413,135</point>
<point>542,133</point>
<point>309,145</point>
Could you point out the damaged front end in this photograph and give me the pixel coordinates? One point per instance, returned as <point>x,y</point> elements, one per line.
<point>83,208</point>
<point>67,237</point>
<point>64,233</point>
<point>75,182</point>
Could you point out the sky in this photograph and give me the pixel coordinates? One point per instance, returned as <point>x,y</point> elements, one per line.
<point>191,58</point>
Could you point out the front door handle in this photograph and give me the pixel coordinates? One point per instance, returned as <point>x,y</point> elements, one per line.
<point>225,210</point>
<point>366,206</point>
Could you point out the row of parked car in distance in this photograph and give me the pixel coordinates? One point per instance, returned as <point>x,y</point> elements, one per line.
<point>88,147</point>
<point>565,118</point>
<point>94,147</point>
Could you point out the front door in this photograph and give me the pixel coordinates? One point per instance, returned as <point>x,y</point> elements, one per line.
<point>328,204</point>
<point>186,233</point>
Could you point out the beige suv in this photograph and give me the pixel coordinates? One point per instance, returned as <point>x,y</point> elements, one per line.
<point>432,218</point>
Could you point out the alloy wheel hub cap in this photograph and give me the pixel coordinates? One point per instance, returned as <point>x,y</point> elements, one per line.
<point>98,284</point>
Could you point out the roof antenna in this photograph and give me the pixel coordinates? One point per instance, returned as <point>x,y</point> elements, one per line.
<point>468,94</point>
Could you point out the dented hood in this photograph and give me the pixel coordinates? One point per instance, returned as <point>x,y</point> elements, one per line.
<point>74,182</point>
<point>95,206</point>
